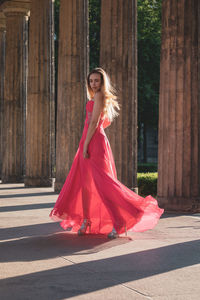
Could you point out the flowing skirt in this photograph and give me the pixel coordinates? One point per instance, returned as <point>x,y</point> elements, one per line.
<point>92,191</point>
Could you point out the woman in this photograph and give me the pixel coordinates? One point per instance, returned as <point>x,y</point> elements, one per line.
<point>92,200</point>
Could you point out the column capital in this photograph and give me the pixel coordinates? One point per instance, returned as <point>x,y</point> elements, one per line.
<point>15,8</point>
<point>10,12</point>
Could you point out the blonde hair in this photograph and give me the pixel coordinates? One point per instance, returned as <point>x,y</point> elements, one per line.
<point>110,103</point>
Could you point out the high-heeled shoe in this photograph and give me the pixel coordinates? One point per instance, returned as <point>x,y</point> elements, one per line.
<point>86,223</point>
<point>113,234</point>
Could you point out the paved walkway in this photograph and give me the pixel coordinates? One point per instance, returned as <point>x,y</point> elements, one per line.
<point>40,261</point>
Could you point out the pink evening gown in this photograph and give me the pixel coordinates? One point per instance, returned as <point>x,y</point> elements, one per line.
<point>108,202</point>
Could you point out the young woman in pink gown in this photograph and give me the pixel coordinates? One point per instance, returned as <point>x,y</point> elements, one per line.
<point>92,200</point>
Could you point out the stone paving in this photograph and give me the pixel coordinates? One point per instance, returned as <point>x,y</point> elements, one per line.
<point>38,260</point>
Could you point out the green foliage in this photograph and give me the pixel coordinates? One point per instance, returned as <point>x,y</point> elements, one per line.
<point>94,32</point>
<point>56,17</point>
<point>149,42</point>
<point>147,184</point>
<point>147,167</point>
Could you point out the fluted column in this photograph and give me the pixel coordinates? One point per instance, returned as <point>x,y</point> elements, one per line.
<point>118,56</point>
<point>72,71</point>
<point>14,97</point>
<point>179,119</point>
<point>40,101</point>
<point>2,71</point>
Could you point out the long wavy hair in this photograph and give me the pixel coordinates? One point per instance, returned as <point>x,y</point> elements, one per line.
<point>110,102</point>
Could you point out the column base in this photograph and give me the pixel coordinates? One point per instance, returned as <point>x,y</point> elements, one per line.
<point>37,182</point>
<point>180,204</point>
<point>12,179</point>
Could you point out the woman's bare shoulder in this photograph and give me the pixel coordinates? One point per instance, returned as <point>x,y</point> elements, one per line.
<point>99,96</point>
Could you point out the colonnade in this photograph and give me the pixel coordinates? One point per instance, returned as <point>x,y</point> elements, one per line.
<point>32,144</point>
<point>27,92</point>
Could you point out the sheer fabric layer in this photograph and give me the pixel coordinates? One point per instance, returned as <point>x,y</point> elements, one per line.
<point>92,191</point>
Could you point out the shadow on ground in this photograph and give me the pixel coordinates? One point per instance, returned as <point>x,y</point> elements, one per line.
<point>26,207</point>
<point>78,279</point>
<point>8,196</point>
<point>29,230</point>
<point>54,245</point>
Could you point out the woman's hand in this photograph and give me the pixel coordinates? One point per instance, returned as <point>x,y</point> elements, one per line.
<point>85,151</point>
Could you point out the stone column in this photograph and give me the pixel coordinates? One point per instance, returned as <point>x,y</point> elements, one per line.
<point>72,71</point>
<point>118,56</point>
<point>39,99</point>
<point>13,125</point>
<point>179,118</point>
<point>2,70</point>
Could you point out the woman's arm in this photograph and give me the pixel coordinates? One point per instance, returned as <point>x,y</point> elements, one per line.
<point>96,114</point>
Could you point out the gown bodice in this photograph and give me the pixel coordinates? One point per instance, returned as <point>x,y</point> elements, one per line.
<point>103,123</point>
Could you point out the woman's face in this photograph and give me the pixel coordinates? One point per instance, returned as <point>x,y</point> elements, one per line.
<point>95,82</point>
